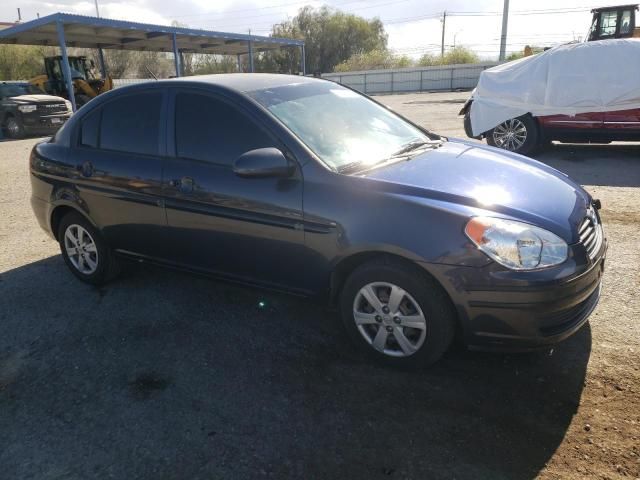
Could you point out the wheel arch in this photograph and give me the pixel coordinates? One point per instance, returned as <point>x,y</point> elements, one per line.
<point>347,265</point>
<point>60,211</point>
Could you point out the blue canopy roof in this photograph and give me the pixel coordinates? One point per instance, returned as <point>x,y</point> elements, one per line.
<point>93,32</point>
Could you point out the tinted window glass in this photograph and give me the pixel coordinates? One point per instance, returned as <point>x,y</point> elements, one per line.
<point>132,123</point>
<point>214,131</point>
<point>89,130</point>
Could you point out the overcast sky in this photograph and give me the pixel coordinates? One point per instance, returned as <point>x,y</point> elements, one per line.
<point>414,26</point>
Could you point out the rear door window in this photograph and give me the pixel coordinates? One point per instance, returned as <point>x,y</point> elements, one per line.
<point>131,123</point>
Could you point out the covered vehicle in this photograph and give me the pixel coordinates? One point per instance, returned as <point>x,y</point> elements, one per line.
<point>580,92</point>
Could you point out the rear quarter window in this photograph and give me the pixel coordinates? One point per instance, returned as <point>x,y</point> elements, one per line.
<point>89,129</point>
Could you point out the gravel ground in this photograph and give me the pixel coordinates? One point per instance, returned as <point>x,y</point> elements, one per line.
<point>164,375</point>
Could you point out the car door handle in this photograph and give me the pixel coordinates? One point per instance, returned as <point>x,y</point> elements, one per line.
<point>185,184</point>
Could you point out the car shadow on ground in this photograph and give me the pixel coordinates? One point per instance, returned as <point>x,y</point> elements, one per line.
<point>615,165</point>
<point>167,375</point>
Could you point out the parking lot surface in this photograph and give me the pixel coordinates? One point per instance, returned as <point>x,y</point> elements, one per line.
<point>164,375</point>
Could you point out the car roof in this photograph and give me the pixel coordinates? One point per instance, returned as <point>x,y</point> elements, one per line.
<point>249,82</point>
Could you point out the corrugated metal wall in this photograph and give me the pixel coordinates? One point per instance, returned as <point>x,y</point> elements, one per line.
<point>448,77</point>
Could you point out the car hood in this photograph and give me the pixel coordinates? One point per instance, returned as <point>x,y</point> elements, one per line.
<point>510,185</point>
<point>37,98</point>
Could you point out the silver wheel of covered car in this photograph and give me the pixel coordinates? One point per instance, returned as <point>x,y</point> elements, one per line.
<point>81,249</point>
<point>519,135</point>
<point>510,135</point>
<point>389,319</point>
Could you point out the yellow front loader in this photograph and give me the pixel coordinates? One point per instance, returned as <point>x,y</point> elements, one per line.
<point>86,83</point>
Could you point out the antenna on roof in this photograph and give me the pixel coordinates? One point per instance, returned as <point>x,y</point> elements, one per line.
<point>19,15</point>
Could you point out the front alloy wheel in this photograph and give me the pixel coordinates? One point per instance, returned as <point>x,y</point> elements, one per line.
<point>389,319</point>
<point>519,135</point>
<point>397,313</point>
<point>510,135</point>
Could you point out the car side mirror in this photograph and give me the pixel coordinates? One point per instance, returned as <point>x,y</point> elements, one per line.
<point>262,163</point>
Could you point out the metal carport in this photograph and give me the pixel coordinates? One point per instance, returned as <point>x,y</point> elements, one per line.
<point>68,30</point>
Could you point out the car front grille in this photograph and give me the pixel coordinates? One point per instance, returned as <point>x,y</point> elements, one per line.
<point>51,108</point>
<point>590,232</point>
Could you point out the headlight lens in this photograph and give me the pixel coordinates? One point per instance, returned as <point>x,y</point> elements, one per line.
<point>68,104</point>
<point>516,245</point>
<point>27,108</point>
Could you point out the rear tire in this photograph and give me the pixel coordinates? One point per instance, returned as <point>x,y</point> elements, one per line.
<point>518,135</point>
<point>14,127</point>
<point>85,251</point>
<point>413,323</point>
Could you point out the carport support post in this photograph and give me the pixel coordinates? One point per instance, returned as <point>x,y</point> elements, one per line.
<point>303,63</point>
<point>66,69</point>
<point>176,54</point>
<point>251,67</point>
<point>103,70</point>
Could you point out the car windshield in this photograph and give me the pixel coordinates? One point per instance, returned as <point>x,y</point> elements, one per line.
<point>14,90</point>
<point>340,126</point>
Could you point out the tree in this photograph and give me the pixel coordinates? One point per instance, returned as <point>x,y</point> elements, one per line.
<point>456,55</point>
<point>330,36</point>
<point>21,62</point>
<point>373,60</point>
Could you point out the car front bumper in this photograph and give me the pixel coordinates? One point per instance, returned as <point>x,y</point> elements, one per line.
<point>521,316</point>
<point>44,124</point>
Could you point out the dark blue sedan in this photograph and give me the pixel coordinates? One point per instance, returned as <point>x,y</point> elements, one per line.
<point>305,186</point>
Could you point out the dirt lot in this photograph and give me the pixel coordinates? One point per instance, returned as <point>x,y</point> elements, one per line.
<point>163,375</point>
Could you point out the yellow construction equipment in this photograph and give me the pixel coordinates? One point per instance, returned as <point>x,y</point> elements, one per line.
<point>87,84</point>
<point>614,22</point>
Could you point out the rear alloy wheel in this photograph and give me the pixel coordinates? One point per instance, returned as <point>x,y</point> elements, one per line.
<point>397,313</point>
<point>84,250</point>
<point>14,127</point>
<point>518,135</point>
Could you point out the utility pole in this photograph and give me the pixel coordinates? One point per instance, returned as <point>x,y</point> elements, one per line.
<point>503,38</point>
<point>444,24</point>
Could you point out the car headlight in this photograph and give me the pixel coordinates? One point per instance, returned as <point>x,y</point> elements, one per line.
<point>516,245</point>
<point>27,108</point>
<point>68,104</point>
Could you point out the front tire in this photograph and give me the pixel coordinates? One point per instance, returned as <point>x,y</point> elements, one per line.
<point>85,251</point>
<point>14,127</point>
<point>397,313</point>
<point>518,135</point>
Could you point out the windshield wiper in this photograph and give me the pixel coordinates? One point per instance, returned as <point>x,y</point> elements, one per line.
<point>351,167</point>
<point>412,145</point>
<point>406,148</point>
